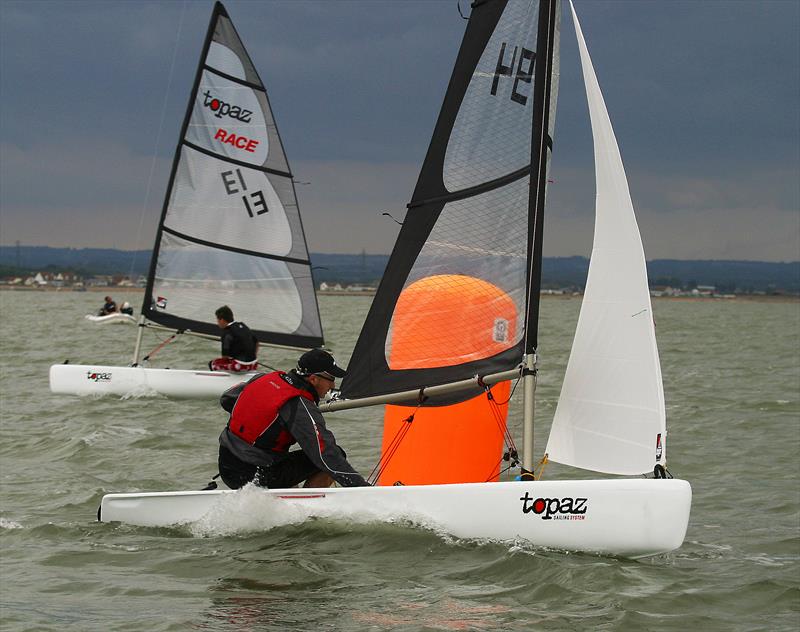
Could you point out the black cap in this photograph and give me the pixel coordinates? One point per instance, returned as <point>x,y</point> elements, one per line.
<point>319,361</point>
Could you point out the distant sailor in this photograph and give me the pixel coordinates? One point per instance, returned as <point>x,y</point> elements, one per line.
<point>272,412</point>
<point>110,307</point>
<point>127,308</point>
<point>239,345</point>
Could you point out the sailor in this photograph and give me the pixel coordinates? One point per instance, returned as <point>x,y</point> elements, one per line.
<point>110,307</point>
<point>127,308</point>
<point>272,412</point>
<point>239,345</point>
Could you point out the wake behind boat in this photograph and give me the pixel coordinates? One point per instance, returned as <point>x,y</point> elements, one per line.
<point>474,230</point>
<point>230,233</point>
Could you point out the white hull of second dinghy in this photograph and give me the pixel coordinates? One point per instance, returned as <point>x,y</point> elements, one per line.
<point>626,517</point>
<point>112,319</point>
<point>88,379</point>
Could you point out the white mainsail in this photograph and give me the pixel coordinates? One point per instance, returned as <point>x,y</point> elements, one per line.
<point>610,416</point>
<point>231,231</point>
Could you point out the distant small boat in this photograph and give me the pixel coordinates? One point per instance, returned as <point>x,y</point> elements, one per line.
<point>111,319</point>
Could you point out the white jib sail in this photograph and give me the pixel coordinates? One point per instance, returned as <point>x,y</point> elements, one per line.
<point>610,416</point>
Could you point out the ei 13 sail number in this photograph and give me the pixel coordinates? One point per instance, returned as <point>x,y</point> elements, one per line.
<point>254,202</point>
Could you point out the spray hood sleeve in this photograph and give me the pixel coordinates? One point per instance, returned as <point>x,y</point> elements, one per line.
<point>308,428</point>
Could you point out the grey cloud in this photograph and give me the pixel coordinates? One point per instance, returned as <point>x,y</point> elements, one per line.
<point>703,96</point>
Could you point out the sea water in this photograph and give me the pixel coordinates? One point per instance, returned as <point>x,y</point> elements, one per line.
<point>732,383</point>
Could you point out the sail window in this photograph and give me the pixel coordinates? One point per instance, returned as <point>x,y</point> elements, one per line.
<point>472,267</point>
<point>492,133</point>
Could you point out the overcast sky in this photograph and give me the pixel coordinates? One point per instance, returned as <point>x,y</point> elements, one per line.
<point>704,98</point>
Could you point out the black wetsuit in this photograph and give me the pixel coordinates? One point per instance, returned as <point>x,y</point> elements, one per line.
<point>108,308</point>
<point>239,343</point>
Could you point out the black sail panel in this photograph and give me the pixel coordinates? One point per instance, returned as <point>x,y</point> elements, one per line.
<point>453,299</point>
<point>230,231</point>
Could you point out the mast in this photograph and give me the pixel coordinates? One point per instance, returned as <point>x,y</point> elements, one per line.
<point>151,273</point>
<point>541,142</point>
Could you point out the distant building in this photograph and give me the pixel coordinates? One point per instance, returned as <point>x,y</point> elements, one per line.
<point>326,287</point>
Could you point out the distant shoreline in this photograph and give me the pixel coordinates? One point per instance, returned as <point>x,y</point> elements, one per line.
<point>764,298</point>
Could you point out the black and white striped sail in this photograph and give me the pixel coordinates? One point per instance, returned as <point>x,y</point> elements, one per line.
<point>230,231</point>
<point>454,301</point>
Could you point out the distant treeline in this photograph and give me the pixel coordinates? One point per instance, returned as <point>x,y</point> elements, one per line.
<point>557,272</point>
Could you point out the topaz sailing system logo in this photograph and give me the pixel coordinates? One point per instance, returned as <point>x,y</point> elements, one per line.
<point>97,376</point>
<point>220,108</point>
<point>566,508</point>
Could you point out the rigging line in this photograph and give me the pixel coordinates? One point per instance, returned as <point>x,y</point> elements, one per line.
<point>390,450</point>
<point>390,216</point>
<point>158,135</point>
<point>394,444</point>
<point>541,467</point>
<point>500,473</point>
<point>494,407</point>
<point>161,346</point>
<point>510,394</point>
<point>384,462</point>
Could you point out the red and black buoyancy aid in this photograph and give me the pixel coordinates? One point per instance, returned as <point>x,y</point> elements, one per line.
<point>256,411</point>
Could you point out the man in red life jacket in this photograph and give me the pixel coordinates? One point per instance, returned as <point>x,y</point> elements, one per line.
<point>239,345</point>
<point>272,412</point>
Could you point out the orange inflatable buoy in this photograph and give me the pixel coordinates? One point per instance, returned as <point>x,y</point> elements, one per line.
<point>439,321</point>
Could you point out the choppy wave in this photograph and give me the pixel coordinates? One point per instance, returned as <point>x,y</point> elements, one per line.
<point>249,566</point>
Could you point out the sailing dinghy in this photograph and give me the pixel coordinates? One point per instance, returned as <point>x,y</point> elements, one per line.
<point>230,234</point>
<point>475,221</point>
<point>116,318</point>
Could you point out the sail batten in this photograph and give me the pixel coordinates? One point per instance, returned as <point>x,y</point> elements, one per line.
<point>233,161</point>
<point>230,230</point>
<point>240,251</point>
<point>243,82</point>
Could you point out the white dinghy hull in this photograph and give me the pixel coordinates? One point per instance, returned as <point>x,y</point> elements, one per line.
<point>625,517</point>
<point>97,380</point>
<point>117,318</point>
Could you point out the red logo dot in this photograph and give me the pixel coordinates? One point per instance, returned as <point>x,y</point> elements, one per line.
<point>538,505</point>
<point>215,104</point>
